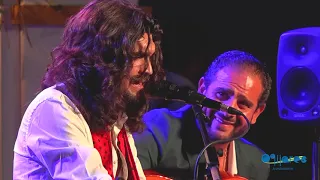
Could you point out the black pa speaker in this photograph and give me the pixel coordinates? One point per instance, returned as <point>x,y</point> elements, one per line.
<point>298,75</point>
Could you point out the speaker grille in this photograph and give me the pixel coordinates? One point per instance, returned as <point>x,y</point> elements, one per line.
<point>300,89</point>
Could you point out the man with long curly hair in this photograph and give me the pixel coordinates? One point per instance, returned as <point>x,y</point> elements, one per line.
<point>92,97</point>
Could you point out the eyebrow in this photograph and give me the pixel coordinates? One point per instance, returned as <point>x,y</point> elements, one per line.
<point>231,92</point>
<point>142,52</point>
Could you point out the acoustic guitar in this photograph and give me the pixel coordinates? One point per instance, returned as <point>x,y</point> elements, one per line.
<point>226,176</point>
<point>153,175</point>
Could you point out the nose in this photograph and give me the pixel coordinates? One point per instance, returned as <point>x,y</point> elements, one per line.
<point>231,102</point>
<point>149,69</point>
<point>151,51</point>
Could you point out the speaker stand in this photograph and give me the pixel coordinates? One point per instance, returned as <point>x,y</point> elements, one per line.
<point>315,155</point>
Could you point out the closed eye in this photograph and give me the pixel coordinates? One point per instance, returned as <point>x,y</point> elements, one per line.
<point>245,104</point>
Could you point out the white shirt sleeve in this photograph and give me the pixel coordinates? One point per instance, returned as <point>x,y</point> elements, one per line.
<point>60,140</point>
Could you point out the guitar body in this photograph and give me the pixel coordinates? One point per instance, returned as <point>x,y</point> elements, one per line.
<point>226,176</point>
<point>153,175</point>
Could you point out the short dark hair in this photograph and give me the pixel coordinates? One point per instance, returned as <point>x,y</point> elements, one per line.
<point>244,60</point>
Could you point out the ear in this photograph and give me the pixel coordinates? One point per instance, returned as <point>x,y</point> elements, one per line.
<point>257,113</point>
<point>201,86</point>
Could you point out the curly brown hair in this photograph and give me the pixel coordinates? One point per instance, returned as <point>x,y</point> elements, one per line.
<point>95,55</point>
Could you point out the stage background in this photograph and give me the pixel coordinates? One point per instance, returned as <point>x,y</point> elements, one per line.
<point>195,32</point>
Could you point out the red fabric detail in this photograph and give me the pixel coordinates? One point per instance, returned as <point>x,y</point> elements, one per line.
<point>102,142</point>
<point>125,149</point>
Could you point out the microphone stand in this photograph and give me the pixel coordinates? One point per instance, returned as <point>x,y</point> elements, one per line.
<point>210,153</point>
<point>315,155</point>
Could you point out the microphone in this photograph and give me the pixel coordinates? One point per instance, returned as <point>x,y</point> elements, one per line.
<point>168,90</point>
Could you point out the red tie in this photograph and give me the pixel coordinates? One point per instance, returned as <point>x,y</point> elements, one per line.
<point>102,142</point>
<point>125,149</point>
